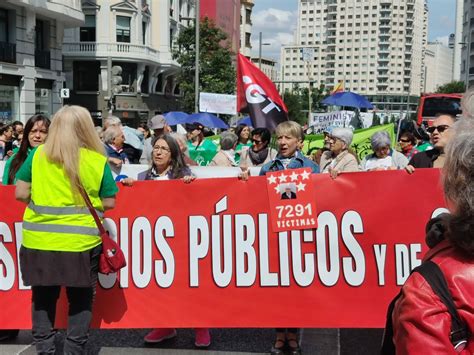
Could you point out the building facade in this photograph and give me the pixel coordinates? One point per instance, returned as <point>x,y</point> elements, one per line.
<point>120,60</point>
<point>246,27</point>
<point>268,66</point>
<point>374,47</point>
<point>31,71</point>
<point>438,66</point>
<point>467,54</point>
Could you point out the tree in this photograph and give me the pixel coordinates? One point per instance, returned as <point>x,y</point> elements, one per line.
<point>454,87</point>
<point>216,71</point>
<point>294,104</point>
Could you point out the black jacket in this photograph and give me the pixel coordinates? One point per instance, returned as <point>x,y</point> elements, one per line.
<point>424,159</point>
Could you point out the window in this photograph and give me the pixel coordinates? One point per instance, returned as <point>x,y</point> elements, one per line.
<point>3,25</point>
<point>86,75</point>
<point>123,29</point>
<point>144,28</point>
<point>87,32</point>
<point>42,53</point>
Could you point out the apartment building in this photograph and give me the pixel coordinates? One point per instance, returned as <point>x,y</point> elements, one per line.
<point>438,66</point>
<point>31,71</point>
<point>374,47</point>
<point>120,59</point>
<point>467,54</point>
<point>246,7</point>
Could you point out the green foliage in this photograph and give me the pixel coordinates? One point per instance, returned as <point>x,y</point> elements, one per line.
<point>375,120</point>
<point>216,70</point>
<point>294,104</point>
<point>454,87</point>
<point>297,102</point>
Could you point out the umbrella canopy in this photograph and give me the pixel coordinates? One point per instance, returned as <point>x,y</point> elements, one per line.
<point>207,120</point>
<point>246,121</point>
<point>176,117</point>
<point>347,98</point>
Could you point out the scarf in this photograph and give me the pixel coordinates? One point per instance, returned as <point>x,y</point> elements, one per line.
<point>259,157</point>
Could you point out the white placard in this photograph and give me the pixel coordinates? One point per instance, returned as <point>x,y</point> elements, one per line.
<point>218,103</point>
<point>65,93</point>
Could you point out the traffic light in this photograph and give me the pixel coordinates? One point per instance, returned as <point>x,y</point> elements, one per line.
<point>116,79</point>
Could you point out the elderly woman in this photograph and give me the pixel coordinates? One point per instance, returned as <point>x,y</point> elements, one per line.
<point>421,322</point>
<point>290,137</point>
<point>168,164</point>
<point>407,142</point>
<point>226,155</point>
<point>61,243</point>
<point>384,157</point>
<point>338,159</point>
<point>114,139</point>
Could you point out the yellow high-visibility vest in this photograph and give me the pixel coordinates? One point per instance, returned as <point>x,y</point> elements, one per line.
<point>53,219</point>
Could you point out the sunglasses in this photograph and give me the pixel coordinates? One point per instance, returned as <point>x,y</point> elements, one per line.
<point>256,141</point>
<point>404,140</point>
<point>440,128</point>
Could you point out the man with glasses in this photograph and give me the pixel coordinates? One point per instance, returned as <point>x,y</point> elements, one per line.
<point>440,136</point>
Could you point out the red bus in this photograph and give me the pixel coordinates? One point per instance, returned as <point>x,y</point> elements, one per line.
<point>432,104</point>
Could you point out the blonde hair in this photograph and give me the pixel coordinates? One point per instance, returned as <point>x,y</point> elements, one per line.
<point>71,129</point>
<point>290,128</point>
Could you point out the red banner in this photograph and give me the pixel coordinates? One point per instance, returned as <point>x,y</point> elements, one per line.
<point>203,254</point>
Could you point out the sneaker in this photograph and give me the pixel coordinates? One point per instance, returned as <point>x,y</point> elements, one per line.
<point>159,334</point>
<point>203,337</point>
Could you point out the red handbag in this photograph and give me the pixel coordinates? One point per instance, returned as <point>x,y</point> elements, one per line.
<point>112,258</point>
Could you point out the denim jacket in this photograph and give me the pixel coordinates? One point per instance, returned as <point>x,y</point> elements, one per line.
<point>299,161</point>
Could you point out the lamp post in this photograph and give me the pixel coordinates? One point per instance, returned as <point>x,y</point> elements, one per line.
<point>260,44</point>
<point>196,78</point>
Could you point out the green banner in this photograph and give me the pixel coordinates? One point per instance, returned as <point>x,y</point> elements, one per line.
<point>360,142</point>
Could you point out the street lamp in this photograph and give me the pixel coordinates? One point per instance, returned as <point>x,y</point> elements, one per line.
<point>196,78</point>
<point>196,45</point>
<point>260,44</point>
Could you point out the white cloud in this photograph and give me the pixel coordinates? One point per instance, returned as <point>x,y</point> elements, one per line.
<point>277,27</point>
<point>443,39</point>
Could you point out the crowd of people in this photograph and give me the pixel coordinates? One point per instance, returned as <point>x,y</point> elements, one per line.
<point>89,155</point>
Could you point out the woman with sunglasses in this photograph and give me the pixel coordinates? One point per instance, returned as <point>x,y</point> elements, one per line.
<point>407,142</point>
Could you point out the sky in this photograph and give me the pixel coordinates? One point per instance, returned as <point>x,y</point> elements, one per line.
<point>276,19</point>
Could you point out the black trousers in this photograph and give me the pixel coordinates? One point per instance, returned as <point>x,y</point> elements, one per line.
<point>80,299</point>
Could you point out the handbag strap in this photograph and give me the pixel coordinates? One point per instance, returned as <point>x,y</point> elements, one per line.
<point>92,210</point>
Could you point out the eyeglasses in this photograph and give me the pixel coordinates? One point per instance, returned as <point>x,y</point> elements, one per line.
<point>161,149</point>
<point>404,140</point>
<point>440,128</point>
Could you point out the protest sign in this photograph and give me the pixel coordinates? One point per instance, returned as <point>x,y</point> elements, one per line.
<point>203,254</point>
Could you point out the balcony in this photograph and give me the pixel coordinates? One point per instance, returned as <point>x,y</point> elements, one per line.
<point>114,50</point>
<point>42,59</point>
<point>7,52</point>
<point>69,12</point>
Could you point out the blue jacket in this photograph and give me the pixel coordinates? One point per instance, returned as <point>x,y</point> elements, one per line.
<point>299,161</point>
<point>111,152</point>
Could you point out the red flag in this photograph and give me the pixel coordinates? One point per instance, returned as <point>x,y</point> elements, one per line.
<point>257,95</point>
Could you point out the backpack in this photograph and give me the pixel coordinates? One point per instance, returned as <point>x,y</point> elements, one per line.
<point>434,276</point>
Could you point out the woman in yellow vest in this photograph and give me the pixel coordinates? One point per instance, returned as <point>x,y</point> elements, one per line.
<point>61,244</point>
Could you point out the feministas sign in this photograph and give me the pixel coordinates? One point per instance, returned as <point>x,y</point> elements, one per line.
<point>204,254</point>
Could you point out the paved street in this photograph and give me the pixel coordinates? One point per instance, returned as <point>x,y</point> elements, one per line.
<point>224,342</point>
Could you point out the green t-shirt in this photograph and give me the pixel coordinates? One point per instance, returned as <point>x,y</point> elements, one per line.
<point>6,169</point>
<point>108,187</point>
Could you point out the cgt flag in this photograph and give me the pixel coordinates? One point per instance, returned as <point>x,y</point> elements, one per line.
<point>258,96</point>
